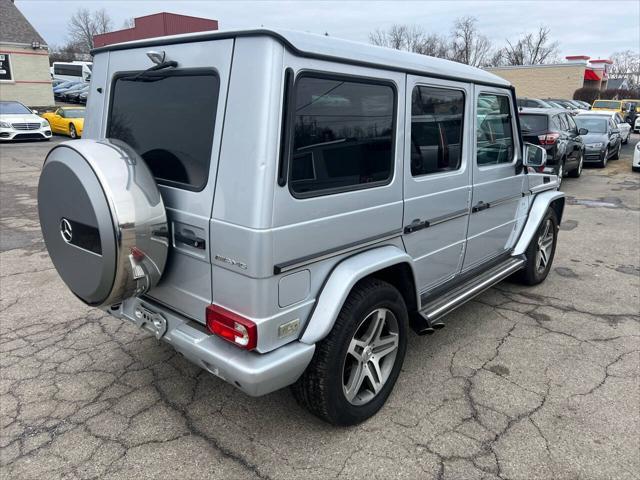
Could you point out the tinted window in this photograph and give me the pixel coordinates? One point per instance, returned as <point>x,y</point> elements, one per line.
<point>593,124</point>
<point>168,118</point>
<point>494,135</point>
<point>70,70</point>
<point>562,121</point>
<point>342,135</point>
<point>533,123</point>
<point>610,104</point>
<point>572,123</point>
<point>436,130</point>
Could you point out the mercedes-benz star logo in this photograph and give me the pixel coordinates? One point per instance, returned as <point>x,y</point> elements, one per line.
<point>65,230</point>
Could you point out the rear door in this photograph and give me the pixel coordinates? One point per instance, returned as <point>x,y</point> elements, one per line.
<point>173,118</point>
<point>498,180</point>
<point>437,177</point>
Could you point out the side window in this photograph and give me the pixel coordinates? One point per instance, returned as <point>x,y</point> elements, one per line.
<point>562,120</point>
<point>61,113</point>
<point>343,134</point>
<point>618,118</point>
<point>572,124</point>
<point>494,134</point>
<point>436,130</point>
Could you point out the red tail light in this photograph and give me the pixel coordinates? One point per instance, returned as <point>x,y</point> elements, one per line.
<point>232,327</point>
<point>548,139</point>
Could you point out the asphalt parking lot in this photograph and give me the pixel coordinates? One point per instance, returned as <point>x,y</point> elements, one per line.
<point>523,383</point>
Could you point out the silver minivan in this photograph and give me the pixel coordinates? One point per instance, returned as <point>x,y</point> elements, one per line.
<point>284,208</point>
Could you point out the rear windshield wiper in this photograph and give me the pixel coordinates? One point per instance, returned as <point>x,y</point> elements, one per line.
<point>144,75</point>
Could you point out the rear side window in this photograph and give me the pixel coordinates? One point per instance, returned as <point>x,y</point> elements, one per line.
<point>562,121</point>
<point>494,133</point>
<point>343,135</point>
<point>533,123</point>
<point>436,130</point>
<point>168,118</point>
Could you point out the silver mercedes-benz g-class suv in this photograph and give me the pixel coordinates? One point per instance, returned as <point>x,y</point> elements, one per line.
<point>282,208</point>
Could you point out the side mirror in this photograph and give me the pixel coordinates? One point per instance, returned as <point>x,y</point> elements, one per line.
<point>534,156</point>
<point>583,131</point>
<point>35,111</point>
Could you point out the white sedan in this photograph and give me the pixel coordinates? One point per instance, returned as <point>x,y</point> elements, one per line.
<point>635,166</point>
<point>17,122</point>
<point>624,127</point>
<point>636,126</point>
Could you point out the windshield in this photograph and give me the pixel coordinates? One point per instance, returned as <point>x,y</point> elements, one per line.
<point>74,112</point>
<point>611,104</point>
<point>533,123</point>
<point>13,108</point>
<point>593,124</point>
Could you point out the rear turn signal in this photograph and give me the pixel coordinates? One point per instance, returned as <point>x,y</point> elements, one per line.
<point>232,327</point>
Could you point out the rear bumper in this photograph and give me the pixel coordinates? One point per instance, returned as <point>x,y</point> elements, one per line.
<point>254,373</point>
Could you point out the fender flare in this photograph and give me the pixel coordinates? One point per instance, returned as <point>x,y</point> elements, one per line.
<point>340,282</point>
<point>539,207</point>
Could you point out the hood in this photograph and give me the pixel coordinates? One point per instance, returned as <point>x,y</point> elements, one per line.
<point>21,118</point>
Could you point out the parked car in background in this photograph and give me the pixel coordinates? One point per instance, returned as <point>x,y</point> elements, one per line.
<point>570,105</point>
<point>635,165</point>
<point>82,98</point>
<point>66,121</point>
<point>524,102</point>
<point>632,107</point>
<point>636,125</point>
<point>555,131</point>
<point>18,122</point>
<point>74,96</point>
<point>59,91</point>
<point>624,127</point>
<point>602,140</point>
<point>612,105</point>
<point>56,82</point>
<point>65,95</point>
<point>76,70</point>
<point>583,104</point>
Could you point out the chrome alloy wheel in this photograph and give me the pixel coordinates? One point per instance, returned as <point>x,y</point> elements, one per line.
<point>545,245</point>
<point>370,356</point>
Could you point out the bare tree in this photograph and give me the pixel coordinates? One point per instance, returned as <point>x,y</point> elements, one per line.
<point>129,23</point>
<point>83,25</point>
<point>626,64</point>
<point>469,46</point>
<point>412,39</point>
<point>532,49</point>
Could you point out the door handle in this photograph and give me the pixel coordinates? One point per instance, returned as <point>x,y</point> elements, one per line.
<point>478,207</point>
<point>194,242</point>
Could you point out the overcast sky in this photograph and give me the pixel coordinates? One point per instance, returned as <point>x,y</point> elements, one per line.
<point>587,27</point>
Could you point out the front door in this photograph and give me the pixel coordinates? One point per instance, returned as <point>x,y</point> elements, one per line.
<point>498,206</point>
<point>437,177</point>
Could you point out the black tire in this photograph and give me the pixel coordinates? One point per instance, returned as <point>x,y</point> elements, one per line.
<point>616,156</point>
<point>72,131</point>
<point>320,388</point>
<point>576,172</point>
<point>605,158</point>
<point>531,274</point>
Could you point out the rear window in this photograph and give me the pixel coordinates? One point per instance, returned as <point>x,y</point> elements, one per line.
<point>168,118</point>
<point>613,105</point>
<point>533,123</point>
<point>342,135</point>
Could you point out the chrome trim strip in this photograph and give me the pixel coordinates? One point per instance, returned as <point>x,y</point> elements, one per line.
<point>299,262</point>
<point>500,201</point>
<point>466,295</point>
<point>449,216</point>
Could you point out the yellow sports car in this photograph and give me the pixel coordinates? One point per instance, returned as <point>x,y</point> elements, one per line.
<point>66,121</point>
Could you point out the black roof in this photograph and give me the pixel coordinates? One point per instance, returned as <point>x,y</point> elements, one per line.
<point>14,27</point>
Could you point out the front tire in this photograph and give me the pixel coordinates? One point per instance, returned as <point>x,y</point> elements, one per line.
<point>355,367</point>
<point>576,172</point>
<point>540,251</point>
<point>617,154</point>
<point>605,159</point>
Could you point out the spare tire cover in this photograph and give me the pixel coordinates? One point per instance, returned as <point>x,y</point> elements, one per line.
<point>103,220</point>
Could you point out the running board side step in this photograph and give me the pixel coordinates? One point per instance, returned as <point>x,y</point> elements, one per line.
<point>427,320</point>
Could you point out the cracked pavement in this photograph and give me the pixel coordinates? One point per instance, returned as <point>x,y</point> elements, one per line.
<point>523,383</point>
